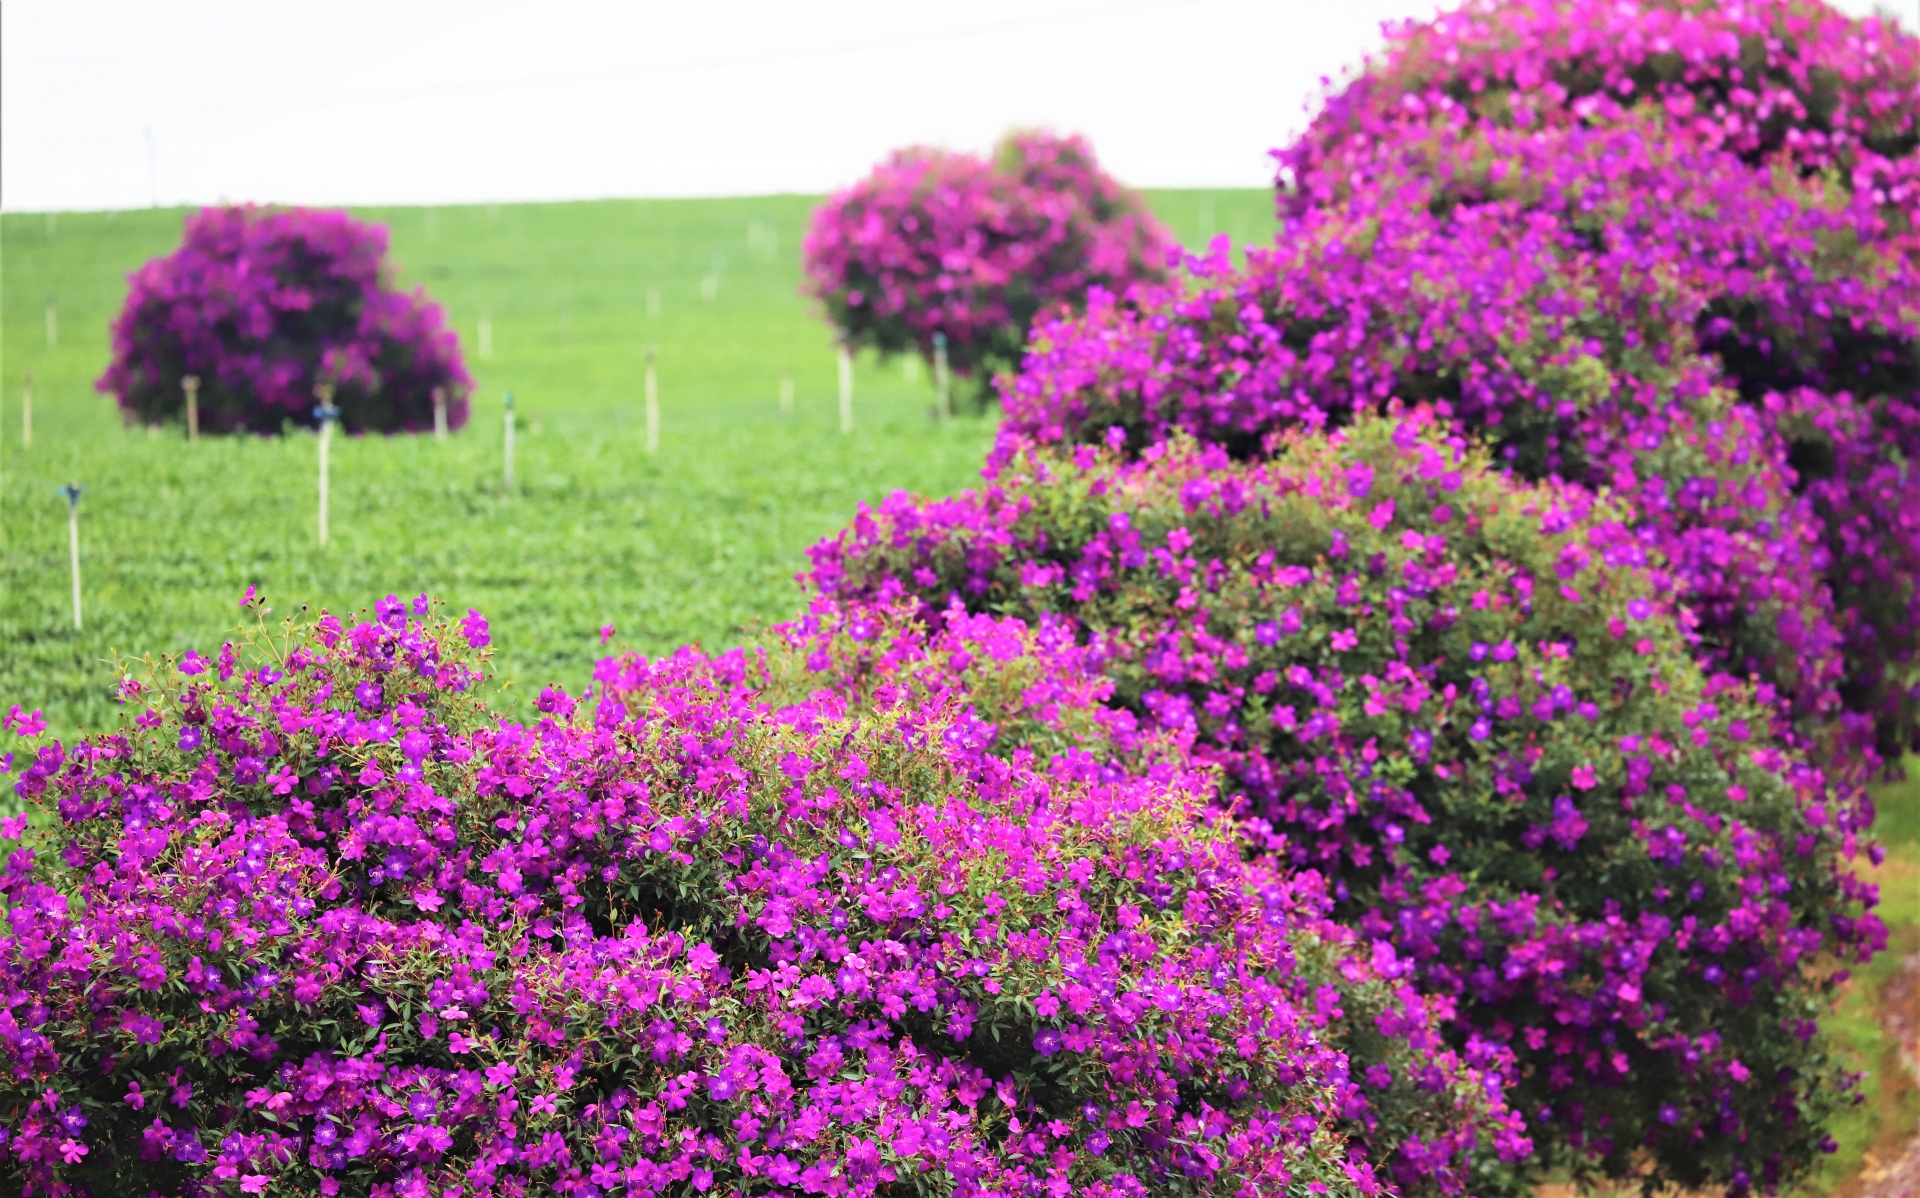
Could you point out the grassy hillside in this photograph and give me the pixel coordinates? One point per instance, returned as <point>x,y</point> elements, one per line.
<point>687,545</point>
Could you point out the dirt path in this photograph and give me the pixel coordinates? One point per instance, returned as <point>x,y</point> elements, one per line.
<point>1892,1165</point>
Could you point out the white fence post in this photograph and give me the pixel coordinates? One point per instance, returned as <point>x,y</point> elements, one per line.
<point>846,384</point>
<point>71,493</point>
<point>653,404</point>
<point>191,385</point>
<point>942,377</point>
<point>507,442</point>
<point>328,415</point>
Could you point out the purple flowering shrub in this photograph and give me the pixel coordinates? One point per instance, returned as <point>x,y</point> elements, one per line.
<point>1792,81</point>
<point>939,242</point>
<point>314,922</point>
<point>1735,350</point>
<point>1435,1118</point>
<point>1471,704</point>
<point>262,304</point>
<point>1772,90</point>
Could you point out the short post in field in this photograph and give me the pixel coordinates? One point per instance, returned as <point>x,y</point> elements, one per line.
<point>328,415</point>
<point>71,493</point>
<point>53,323</point>
<point>653,404</point>
<point>846,383</point>
<point>191,385</point>
<point>26,413</point>
<point>507,444</point>
<point>942,378</point>
<point>486,338</point>
<point>440,413</point>
<point>786,395</point>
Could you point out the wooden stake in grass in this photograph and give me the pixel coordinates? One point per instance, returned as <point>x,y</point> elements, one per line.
<point>53,323</point>
<point>846,384</point>
<point>786,395</point>
<point>942,378</point>
<point>328,415</point>
<point>191,385</point>
<point>486,338</point>
<point>26,414</point>
<point>71,493</point>
<point>507,445</point>
<point>440,413</point>
<point>653,405</point>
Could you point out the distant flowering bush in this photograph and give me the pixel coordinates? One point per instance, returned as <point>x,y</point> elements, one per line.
<point>1469,704</point>
<point>262,304</point>
<point>939,242</point>
<point>315,923</point>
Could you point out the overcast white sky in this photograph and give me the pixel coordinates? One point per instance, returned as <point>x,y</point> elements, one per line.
<point>122,104</point>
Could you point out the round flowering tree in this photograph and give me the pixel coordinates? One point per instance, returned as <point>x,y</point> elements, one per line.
<point>942,243</point>
<point>1469,704</point>
<point>315,923</point>
<point>264,304</point>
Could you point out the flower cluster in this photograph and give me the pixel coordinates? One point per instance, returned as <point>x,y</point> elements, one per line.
<point>1468,703</point>
<point>316,923</point>
<point>1736,346</point>
<point>1767,80</point>
<point>263,304</point>
<point>935,242</point>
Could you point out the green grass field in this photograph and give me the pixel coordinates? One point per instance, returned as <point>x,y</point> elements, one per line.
<point>690,544</point>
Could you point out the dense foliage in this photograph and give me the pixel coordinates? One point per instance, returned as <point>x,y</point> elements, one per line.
<point>263,304</point>
<point>1793,81</point>
<point>1611,301</point>
<point>941,242</point>
<point>1467,702</point>
<point>315,923</point>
